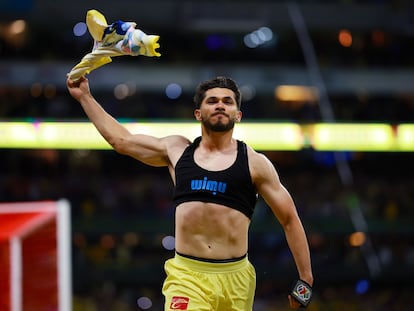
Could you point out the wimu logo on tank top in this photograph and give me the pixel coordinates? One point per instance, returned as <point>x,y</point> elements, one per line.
<point>209,185</point>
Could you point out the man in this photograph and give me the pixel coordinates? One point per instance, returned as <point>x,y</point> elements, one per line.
<point>216,182</point>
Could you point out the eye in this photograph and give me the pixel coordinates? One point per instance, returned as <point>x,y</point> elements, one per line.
<point>228,101</point>
<point>212,100</point>
<point>225,100</point>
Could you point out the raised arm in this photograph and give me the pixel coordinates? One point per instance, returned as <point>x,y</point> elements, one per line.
<point>280,201</point>
<point>147,149</point>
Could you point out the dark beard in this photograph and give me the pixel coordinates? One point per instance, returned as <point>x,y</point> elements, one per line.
<point>219,126</point>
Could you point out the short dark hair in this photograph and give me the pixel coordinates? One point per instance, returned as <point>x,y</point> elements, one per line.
<point>221,82</point>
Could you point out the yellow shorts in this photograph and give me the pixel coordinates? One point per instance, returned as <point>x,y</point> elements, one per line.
<point>197,285</point>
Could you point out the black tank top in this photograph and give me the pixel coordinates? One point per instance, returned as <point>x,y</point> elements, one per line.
<point>231,187</point>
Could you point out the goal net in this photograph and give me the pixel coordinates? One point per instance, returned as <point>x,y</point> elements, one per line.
<point>35,256</point>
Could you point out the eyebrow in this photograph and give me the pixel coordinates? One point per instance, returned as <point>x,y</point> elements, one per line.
<point>217,97</point>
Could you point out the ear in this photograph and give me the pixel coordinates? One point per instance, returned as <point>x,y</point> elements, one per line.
<point>197,114</point>
<point>239,116</point>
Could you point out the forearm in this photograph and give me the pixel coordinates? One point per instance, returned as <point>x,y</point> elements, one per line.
<point>111,130</point>
<point>298,244</point>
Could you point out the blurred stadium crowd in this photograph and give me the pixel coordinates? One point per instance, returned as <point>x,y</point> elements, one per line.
<point>123,226</point>
<point>121,211</point>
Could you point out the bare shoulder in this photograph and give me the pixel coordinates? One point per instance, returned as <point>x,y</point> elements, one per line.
<point>260,165</point>
<point>177,140</point>
<point>257,160</point>
<point>175,145</point>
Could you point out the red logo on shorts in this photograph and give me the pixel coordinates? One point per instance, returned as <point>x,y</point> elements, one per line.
<point>179,303</point>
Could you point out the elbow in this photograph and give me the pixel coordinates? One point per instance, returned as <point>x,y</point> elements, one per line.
<point>290,222</point>
<point>119,145</point>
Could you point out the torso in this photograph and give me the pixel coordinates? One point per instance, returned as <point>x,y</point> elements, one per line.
<point>211,230</point>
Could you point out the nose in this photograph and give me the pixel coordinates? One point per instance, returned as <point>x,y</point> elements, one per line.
<point>220,105</point>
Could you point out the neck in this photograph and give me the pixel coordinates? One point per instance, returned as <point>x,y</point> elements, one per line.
<point>216,140</point>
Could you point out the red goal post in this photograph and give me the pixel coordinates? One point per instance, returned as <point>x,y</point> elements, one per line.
<point>35,256</point>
